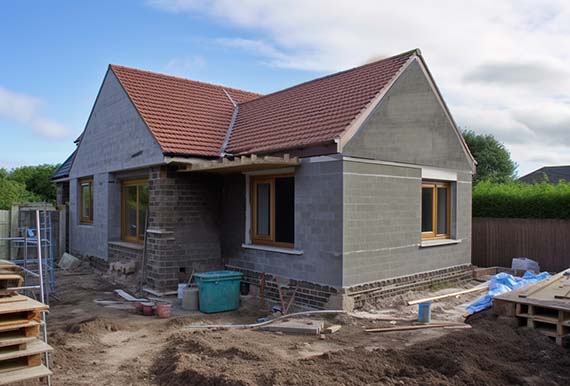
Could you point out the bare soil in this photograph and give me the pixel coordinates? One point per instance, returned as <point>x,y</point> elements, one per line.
<point>111,345</point>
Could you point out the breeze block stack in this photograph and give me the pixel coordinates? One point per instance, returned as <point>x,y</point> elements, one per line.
<point>21,348</point>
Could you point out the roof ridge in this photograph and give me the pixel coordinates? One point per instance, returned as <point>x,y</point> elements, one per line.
<point>183,79</point>
<point>415,50</point>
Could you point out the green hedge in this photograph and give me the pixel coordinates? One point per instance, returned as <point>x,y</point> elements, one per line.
<point>519,200</point>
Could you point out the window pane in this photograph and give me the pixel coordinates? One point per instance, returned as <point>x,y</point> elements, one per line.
<point>86,202</point>
<point>143,209</point>
<point>427,210</point>
<point>285,210</point>
<point>131,211</point>
<point>263,205</point>
<point>442,211</point>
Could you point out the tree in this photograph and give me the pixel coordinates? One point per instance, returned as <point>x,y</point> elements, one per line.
<point>12,192</point>
<point>494,161</point>
<point>37,180</point>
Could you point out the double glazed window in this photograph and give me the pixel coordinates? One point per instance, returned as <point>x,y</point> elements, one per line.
<point>135,210</point>
<point>86,200</point>
<point>436,208</point>
<point>273,210</point>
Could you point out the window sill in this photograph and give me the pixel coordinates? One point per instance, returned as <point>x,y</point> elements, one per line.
<point>127,244</point>
<point>269,248</point>
<point>437,243</point>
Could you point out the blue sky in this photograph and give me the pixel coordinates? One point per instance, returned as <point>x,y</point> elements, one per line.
<point>503,70</point>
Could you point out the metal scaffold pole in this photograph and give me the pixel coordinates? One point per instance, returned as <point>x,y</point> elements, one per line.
<point>42,294</point>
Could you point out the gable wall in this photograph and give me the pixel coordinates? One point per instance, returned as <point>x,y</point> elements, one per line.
<point>410,126</point>
<point>114,133</point>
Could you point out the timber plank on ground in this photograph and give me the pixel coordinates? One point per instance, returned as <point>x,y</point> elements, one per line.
<point>24,373</point>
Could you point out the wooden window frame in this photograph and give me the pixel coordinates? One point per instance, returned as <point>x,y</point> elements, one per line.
<point>86,220</point>
<point>265,239</point>
<point>124,233</point>
<point>433,235</point>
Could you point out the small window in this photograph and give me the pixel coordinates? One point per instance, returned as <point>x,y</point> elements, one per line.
<point>135,209</point>
<point>436,210</point>
<point>86,200</point>
<point>273,210</point>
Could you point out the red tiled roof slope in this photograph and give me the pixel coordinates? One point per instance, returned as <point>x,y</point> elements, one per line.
<point>185,116</point>
<point>310,113</point>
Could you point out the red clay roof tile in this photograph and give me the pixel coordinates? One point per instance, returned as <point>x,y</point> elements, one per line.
<point>185,116</point>
<point>192,118</point>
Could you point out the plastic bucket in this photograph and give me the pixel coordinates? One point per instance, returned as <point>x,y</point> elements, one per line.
<point>424,312</point>
<point>163,311</point>
<point>190,299</point>
<point>148,309</point>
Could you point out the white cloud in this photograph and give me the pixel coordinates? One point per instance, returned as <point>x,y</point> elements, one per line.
<point>502,65</point>
<point>26,110</point>
<point>186,67</point>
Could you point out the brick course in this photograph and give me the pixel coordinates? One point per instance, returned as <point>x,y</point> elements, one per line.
<point>183,226</point>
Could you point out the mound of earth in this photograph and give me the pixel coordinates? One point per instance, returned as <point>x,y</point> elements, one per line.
<point>491,353</point>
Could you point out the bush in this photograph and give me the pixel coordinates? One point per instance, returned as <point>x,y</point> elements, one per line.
<point>519,200</point>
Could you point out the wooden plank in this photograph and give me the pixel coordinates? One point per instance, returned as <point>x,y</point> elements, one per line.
<point>24,374</point>
<point>24,324</point>
<point>14,338</point>
<point>420,327</point>
<point>35,347</point>
<point>128,297</point>
<point>27,305</point>
<point>11,299</point>
<point>541,285</point>
<point>479,288</point>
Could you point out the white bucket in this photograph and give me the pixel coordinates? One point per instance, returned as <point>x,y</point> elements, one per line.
<point>190,299</point>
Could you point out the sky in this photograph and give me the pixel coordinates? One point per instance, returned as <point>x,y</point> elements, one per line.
<point>503,67</point>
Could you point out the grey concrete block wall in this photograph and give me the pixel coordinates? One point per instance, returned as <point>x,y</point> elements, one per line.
<point>318,227</point>
<point>115,139</point>
<point>382,224</point>
<point>410,126</point>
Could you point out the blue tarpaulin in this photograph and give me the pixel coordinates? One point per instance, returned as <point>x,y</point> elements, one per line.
<point>501,283</point>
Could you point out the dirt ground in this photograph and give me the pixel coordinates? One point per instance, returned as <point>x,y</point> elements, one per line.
<point>111,345</point>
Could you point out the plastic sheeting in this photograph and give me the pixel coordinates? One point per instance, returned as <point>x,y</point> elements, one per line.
<point>501,283</point>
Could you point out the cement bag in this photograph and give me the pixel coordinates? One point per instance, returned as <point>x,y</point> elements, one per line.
<point>525,264</point>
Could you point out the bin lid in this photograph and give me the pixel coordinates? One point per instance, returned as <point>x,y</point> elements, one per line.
<point>218,275</point>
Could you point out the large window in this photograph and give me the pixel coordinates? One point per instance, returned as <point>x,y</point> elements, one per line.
<point>273,210</point>
<point>135,209</point>
<point>86,200</point>
<point>436,208</point>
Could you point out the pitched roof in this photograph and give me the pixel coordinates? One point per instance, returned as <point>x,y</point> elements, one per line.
<point>314,112</point>
<point>65,167</point>
<point>193,118</point>
<point>185,116</point>
<point>553,173</point>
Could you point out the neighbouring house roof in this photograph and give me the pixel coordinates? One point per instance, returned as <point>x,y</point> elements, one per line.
<point>554,174</point>
<point>192,118</point>
<point>185,116</point>
<point>63,171</point>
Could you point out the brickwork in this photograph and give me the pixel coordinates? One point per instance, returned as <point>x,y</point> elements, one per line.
<point>183,229</point>
<point>316,296</point>
<point>370,292</point>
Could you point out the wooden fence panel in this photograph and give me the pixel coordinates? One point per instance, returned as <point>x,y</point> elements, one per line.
<point>496,241</point>
<point>4,232</point>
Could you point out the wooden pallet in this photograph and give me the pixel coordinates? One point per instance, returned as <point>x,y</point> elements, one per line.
<point>9,280</point>
<point>542,306</point>
<point>24,373</point>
